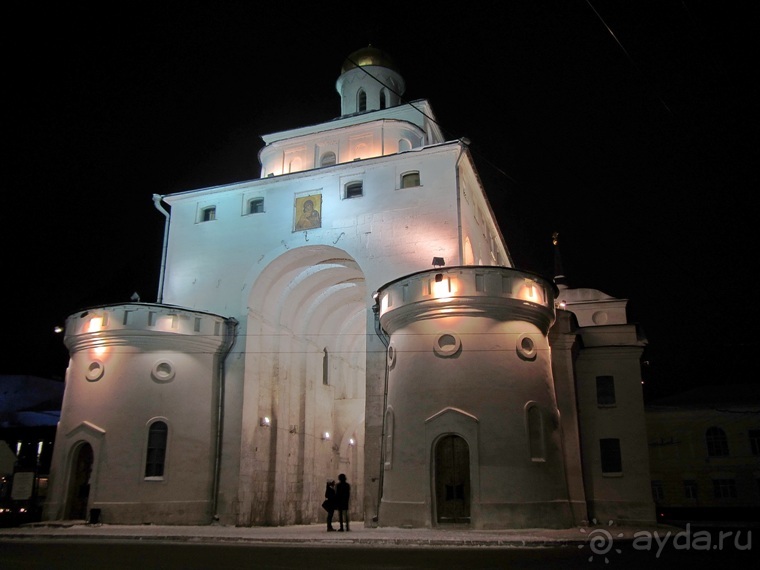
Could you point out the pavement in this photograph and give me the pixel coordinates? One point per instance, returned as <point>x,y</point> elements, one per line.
<point>315,534</point>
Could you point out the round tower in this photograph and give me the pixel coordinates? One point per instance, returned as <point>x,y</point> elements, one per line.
<point>369,80</point>
<point>471,432</point>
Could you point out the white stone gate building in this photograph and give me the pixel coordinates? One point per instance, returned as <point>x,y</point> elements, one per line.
<point>355,310</point>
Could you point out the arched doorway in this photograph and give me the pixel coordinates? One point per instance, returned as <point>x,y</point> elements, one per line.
<point>452,480</point>
<point>79,487</point>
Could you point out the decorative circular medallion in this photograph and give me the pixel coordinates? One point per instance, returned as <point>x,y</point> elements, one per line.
<point>95,371</point>
<point>526,347</point>
<point>163,371</point>
<point>391,355</point>
<point>447,344</point>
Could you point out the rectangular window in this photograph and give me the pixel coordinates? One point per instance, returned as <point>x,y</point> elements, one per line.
<point>724,488</point>
<point>658,491</point>
<point>754,441</point>
<point>256,206</point>
<point>605,390</point>
<point>612,461</point>
<point>689,489</point>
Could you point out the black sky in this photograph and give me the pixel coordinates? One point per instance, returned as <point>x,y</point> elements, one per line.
<point>629,127</point>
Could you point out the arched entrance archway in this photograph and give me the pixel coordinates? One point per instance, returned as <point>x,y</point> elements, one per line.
<point>79,485</point>
<point>305,371</point>
<point>452,480</point>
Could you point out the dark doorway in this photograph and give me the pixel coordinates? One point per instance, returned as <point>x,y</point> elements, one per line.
<point>79,490</point>
<point>452,480</point>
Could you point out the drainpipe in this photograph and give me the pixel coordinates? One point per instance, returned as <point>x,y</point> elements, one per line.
<point>385,340</point>
<point>224,351</point>
<point>157,202</point>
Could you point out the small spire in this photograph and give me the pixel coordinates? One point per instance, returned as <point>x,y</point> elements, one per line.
<point>559,274</point>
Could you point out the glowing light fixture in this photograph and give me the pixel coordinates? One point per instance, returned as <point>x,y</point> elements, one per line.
<point>530,291</point>
<point>265,421</point>
<point>443,286</point>
<point>352,441</point>
<point>326,436</point>
<point>95,324</point>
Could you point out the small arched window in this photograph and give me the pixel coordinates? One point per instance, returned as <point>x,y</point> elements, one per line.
<point>208,214</point>
<point>410,179</point>
<point>328,159</point>
<point>383,103</point>
<point>388,443</point>
<point>717,442</point>
<point>354,190</point>
<point>362,100</point>
<point>156,453</point>
<point>536,434</point>
<point>256,206</point>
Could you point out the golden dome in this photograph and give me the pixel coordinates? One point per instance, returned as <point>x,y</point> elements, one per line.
<point>368,56</point>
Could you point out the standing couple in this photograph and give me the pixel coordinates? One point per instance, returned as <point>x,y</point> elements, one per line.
<point>336,498</point>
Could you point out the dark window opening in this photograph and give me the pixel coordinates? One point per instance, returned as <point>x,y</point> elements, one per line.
<point>754,441</point>
<point>658,491</point>
<point>724,488</point>
<point>354,190</point>
<point>154,464</point>
<point>717,443</point>
<point>256,206</point>
<point>605,390</point>
<point>612,461</point>
<point>208,214</point>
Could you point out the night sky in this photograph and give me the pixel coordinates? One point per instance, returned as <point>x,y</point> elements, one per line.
<point>627,126</point>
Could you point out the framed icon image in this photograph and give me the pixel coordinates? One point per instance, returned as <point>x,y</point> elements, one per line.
<point>307,213</point>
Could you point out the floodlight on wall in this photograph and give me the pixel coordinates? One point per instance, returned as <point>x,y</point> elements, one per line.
<point>326,436</point>
<point>438,262</point>
<point>351,442</point>
<point>265,421</point>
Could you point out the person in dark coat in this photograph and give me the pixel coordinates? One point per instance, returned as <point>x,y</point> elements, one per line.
<point>342,498</point>
<point>329,503</point>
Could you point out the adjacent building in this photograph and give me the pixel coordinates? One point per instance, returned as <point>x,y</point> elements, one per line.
<point>704,448</point>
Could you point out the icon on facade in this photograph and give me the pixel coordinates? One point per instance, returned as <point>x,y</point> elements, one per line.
<point>307,212</point>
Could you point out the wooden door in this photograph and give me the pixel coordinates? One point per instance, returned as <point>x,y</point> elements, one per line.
<point>452,480</point>
<point>79,491</point>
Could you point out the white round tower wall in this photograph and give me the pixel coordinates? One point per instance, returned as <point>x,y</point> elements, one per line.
<point>471,424</point>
